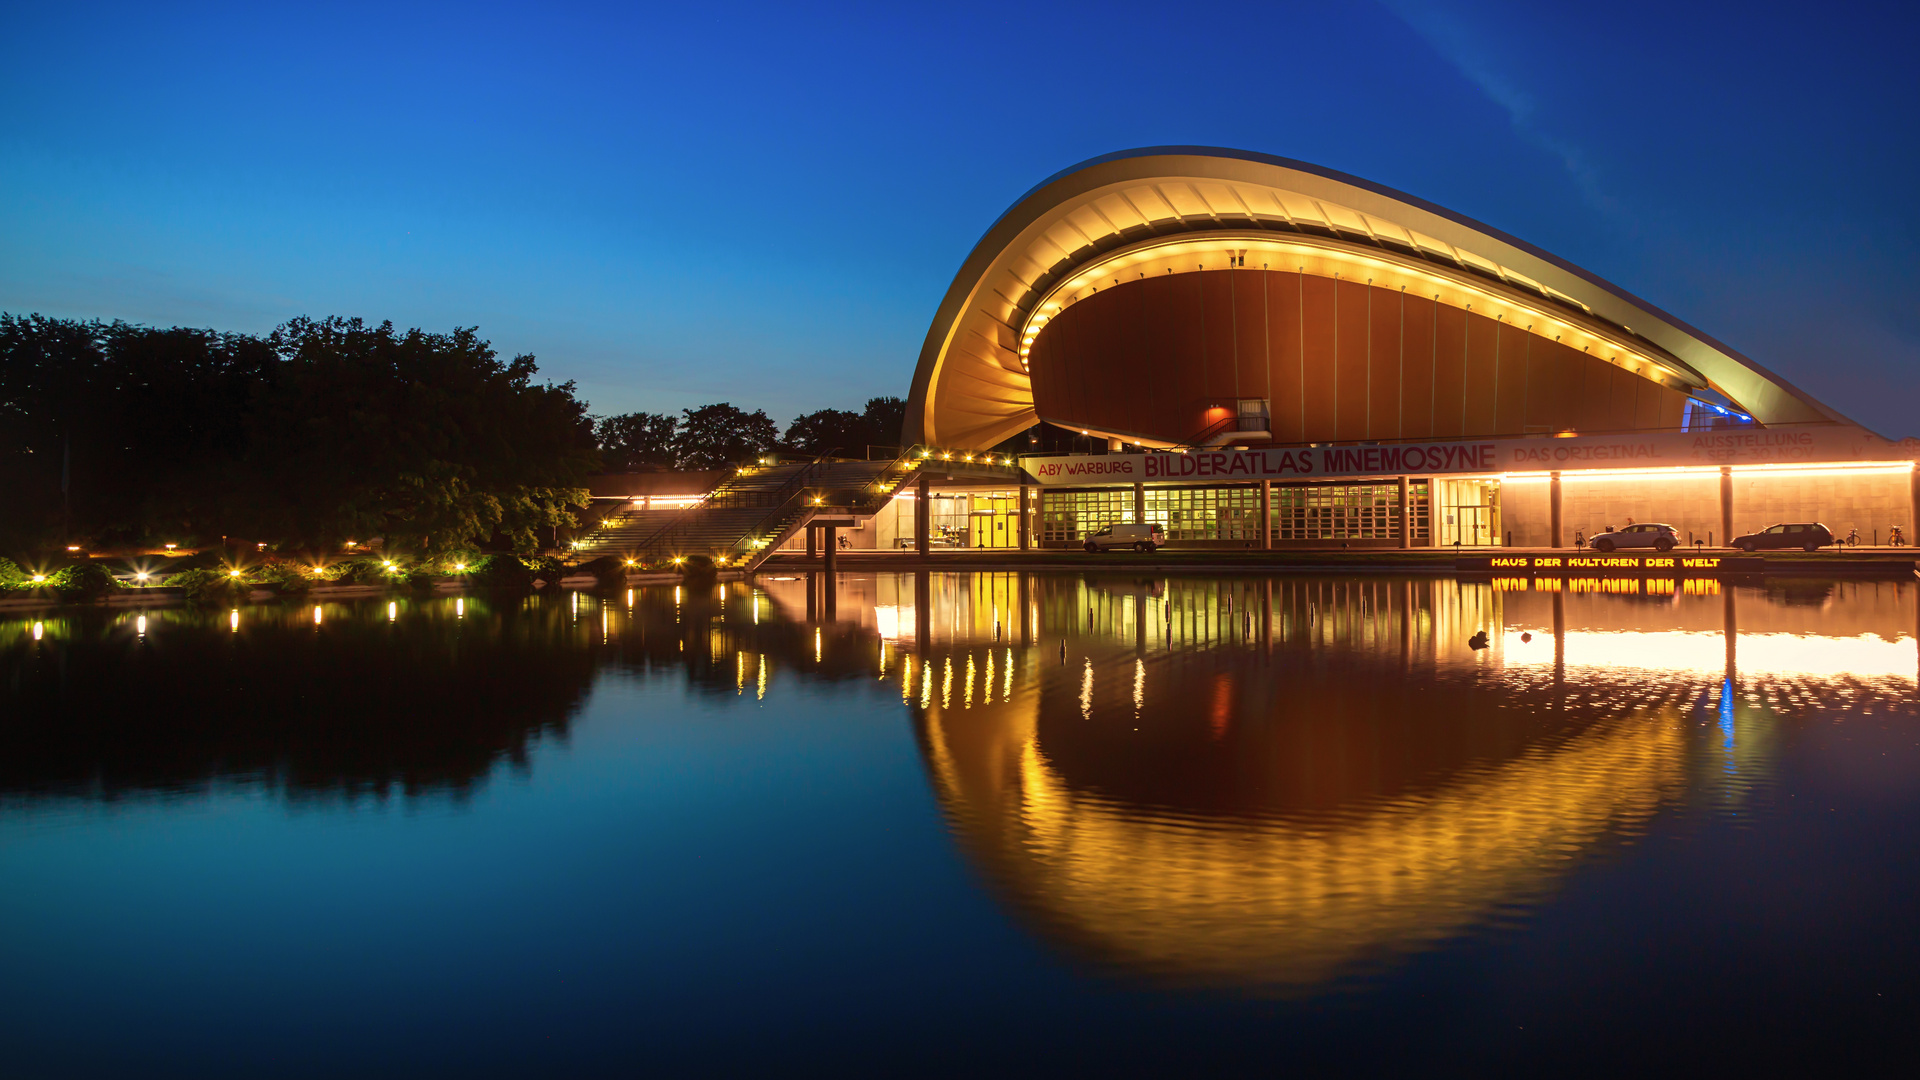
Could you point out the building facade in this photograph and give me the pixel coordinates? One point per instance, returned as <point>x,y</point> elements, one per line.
<point>1281,355</point>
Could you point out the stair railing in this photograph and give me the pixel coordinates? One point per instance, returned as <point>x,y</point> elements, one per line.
<point>790,490</point>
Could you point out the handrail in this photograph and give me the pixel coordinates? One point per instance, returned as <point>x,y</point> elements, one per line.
<point>686,517</point>
<point>642,546</point>
<point>684,511</point>
<point>1195,440</point>
<point>869,502</point>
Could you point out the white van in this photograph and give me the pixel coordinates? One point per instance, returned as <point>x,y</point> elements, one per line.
<point>1137,537</point>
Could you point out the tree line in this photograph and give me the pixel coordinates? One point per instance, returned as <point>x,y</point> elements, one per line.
<point>713,436</point>
<point>325,431</point>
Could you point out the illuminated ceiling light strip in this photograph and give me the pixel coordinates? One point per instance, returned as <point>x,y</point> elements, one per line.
<point>1881,466</point>
<point>1155,253</point>
<point>1703,472</point>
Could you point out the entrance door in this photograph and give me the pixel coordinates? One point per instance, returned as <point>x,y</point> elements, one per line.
<point>993,524</point>
<point>1469,512</point>
<point>1468,525</point>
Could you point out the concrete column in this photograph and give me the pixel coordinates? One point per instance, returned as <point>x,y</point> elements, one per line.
<point>1026,606</point>
<point>810,551</point>
<point>1406,620</point>
<point>1726,504</point>
<point>1266,615</point>
<point>1730,627</point>
<point>1139,503</point>
<point>1553,511</point>
<point>1266,517</point>
<point>1113,446</point>
<point>922,612</point>
<point>1913,519</point>
<point>827,546</point>
<point>1026,518</point>
<point>1406,513</point>
<point>1559,642</point>
<point>923,517</point>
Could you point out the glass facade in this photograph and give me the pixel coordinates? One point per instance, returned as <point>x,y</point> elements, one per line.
<point>1070,515</point>
<point>1207,513</point>
<point>1348,512</point>
<point>1231,514</point>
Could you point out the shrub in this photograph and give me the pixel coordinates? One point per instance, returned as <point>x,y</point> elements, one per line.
<point>455,562</point>
<point>207,586</point>
<point>501,572</point>
<point>84,581</point>
<point>363,572</point>
<point>547,569</point>
<point>610,572</point>
<point>698,568</point>
<point>285,578</point>
<point>11,576</point>
<point>421,579</point>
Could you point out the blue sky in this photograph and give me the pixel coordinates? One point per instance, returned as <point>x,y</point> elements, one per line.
<point>764,204</point>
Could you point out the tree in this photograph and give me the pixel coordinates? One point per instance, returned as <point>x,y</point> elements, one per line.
<point>112,433</point>
<point>715,436</point>
<point>425,439</point>
<point>885,417</point>
<point>636,441</point>
<point>829,429</point>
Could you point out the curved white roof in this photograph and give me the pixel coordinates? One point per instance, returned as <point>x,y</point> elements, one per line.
<point>971,387</point>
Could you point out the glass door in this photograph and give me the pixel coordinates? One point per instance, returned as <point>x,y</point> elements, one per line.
<point>1469,512</point>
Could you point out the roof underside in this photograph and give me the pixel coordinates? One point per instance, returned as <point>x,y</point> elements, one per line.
<point>971,388</point>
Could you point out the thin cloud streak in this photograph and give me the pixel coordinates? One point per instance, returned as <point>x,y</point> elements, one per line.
<point>1459,47</point>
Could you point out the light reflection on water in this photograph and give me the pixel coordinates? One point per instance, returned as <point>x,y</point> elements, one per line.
<point>1307,778</point>
<point>1272,787</point>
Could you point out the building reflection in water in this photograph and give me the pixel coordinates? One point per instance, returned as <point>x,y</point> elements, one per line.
<point>1272,784</point>
<point>1278,784</point>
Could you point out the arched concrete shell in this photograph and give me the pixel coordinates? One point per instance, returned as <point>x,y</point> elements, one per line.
<point>1157,360</point>
<point>1167,209</point>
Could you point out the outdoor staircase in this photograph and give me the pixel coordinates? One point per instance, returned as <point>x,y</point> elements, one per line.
<point>625,530</point>
<point>761,507</point>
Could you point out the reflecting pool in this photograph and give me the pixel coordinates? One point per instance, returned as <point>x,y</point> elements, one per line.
<point>929,823</point>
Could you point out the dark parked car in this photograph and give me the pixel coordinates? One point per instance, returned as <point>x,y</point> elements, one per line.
<point>1652,534</point>
<point>1806,535</point>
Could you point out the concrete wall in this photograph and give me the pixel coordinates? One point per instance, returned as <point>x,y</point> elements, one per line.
<point>879,533</point>
<point>1841,501</point>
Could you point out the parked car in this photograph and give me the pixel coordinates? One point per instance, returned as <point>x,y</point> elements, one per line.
<point>1137,537</point>
<point>1645,535</point>
<point>1806,535</point>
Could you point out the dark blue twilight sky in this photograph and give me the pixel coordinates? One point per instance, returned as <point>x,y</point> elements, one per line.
<point>690,203</point>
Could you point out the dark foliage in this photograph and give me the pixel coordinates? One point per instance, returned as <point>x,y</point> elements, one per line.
<point>716,436</point>
<point>608,571</point>
<point>502,572</point>
<point>116,433</point>
<point>84,581</point>
<point>849,434</point>
<point>834,430</point>
<point>636,441</point>
<point>113,434</point>
<point>426,439</point>
<point>885,417</point>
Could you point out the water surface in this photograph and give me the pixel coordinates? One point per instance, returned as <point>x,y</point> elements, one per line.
<point>965,822</point>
